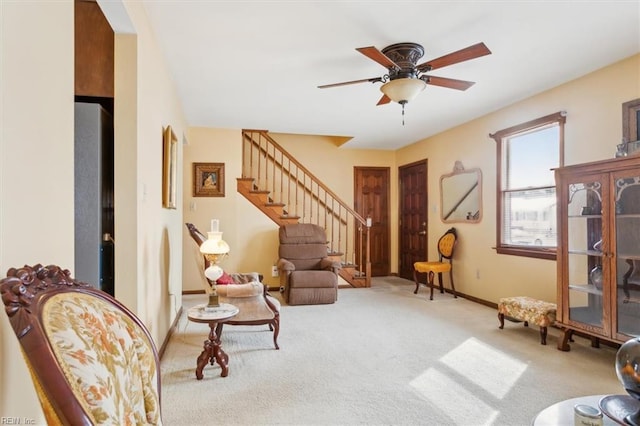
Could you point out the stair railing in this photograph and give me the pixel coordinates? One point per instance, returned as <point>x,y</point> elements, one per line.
<point>304,196</point>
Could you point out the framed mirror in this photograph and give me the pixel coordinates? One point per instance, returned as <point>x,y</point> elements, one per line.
<point>461,195</point>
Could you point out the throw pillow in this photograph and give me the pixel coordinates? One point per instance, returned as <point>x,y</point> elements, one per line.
<point>224,279</point>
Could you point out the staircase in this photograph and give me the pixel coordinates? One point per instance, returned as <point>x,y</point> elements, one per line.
<point>284,190</point>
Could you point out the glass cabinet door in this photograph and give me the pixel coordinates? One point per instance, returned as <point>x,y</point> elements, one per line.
<point>587,248</point>
<point>626,309</point>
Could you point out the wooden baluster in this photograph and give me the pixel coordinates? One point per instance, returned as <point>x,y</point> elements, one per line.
<point>304,196</point>
<point>281,176</point>
<point>273,174</point>
<point>346,233</point>
<point>244,166</point>
<point>296,191</point>
<point>310,191</point>
<point>319,207</point>
<point>339,225</point>
<point>258,172</point>
<point>289,189</point>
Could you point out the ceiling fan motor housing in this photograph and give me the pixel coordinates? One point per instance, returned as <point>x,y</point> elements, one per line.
<point>406,56</point>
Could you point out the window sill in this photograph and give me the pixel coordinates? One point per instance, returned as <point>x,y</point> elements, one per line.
<point>540,253</point>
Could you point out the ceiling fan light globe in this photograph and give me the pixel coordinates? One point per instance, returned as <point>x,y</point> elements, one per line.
<point>403,90</point>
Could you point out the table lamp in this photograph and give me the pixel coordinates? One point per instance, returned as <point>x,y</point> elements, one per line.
<point>214,250</point>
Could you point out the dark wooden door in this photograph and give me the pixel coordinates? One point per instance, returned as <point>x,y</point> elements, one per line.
<point>371,199</point>
<point>412,216</point>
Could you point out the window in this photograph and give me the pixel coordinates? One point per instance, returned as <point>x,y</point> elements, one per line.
<point>526,210</point>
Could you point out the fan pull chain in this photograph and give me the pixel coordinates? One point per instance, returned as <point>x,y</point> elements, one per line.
<point>403,103</point>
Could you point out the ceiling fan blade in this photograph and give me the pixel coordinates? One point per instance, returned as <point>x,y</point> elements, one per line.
<point>344,83</point>
<point>449,82</point>
<point>373,53</point>
<point>461,55</point>
<point>384,100</point>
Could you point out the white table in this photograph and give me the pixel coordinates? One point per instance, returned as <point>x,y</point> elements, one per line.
<point>561,413</point>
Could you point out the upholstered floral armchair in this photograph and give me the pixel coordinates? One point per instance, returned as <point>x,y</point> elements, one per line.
<point>244,290</point>
<point>92,361</point>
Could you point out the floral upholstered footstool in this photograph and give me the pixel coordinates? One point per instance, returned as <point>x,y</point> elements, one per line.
<point>529,310</point>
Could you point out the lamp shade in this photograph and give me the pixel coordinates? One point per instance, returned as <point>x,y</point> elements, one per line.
<point>403,90</point>
<point>214,244</point>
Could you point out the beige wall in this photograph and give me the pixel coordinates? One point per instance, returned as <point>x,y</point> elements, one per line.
<point>36,163</point>
<point>150,280</point>
<point>253,237</point>
<point>36,170</point>
<point>594,126</point>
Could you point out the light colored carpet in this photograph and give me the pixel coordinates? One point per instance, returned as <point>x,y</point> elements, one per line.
<point>380,356</point>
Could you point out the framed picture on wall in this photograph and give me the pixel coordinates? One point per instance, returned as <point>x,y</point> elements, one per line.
<point>208,179</point>
<point>169,169</point>
<point>631,126</point>
<point>631,120</point>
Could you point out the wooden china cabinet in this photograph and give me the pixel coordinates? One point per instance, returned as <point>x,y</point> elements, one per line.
<point>599,250</point>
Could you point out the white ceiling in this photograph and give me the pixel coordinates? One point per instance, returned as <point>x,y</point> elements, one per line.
<point>257,64</point>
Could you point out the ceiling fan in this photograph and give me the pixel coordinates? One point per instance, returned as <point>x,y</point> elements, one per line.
<point>405,80</point>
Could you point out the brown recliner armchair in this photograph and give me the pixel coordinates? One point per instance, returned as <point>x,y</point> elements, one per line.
<point>307,274</point>
<point>247,293</point>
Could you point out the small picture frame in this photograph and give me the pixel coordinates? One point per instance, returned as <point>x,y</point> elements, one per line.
<point>208,179</point>
<point>169,169</point>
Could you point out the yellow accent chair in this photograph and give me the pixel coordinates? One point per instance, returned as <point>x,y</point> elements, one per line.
<point>446,246</point>
<point>92,361</point>
<point>246,292</point>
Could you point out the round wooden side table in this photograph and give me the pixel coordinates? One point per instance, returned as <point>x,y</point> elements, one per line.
<point>212,351</point>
